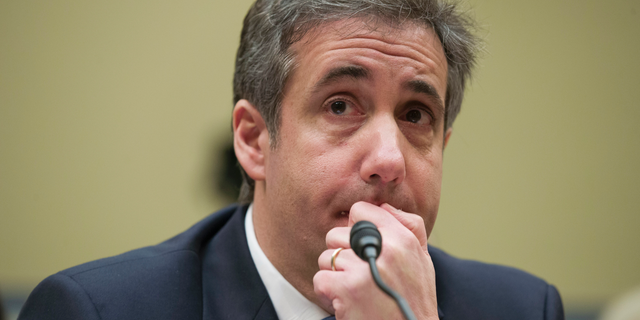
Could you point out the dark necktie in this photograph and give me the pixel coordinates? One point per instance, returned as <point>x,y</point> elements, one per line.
<point>330,318</point>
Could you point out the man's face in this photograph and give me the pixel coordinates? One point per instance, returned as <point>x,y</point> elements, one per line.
<point>362,120</point>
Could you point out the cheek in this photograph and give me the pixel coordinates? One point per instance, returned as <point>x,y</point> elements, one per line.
<point>424,176</point>
<point>328,167</point>
<point>309,165</point>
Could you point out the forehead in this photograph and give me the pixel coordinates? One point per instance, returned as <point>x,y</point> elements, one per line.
<point>409,50</point>
<point>410,33</point>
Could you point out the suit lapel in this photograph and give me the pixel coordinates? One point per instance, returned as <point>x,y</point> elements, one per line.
<point>232,288</point>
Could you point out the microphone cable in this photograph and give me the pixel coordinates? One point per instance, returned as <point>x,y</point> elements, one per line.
<point>366,242</point>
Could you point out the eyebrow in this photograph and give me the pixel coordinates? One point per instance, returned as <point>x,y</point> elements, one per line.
<point>339,73</point>
<point>419,86</point>
<point>356,72</point>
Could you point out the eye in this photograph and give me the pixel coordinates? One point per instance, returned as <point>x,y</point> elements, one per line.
<point>341,106</point>
<point>338,107</point>
<point>414,116</point>
<point>417,116</point>
<point>342,109</point>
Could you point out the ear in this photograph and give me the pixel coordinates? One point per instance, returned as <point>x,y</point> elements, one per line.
<point>447,135</point>
<point>250,139</point>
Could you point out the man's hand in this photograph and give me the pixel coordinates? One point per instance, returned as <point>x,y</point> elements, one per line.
<point>404,264</point>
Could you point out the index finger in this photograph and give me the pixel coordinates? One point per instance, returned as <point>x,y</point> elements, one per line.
<point>362,211</point>
<point>366,211</point>
<point>386,216</point>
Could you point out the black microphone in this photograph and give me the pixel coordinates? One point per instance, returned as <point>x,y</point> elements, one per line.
<point>366,242</point>
<point>366,237</point>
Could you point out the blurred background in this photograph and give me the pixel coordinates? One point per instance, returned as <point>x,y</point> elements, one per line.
<point>115,127</point>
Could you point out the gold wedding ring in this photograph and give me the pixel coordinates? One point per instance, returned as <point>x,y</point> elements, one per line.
<point>333,258</point>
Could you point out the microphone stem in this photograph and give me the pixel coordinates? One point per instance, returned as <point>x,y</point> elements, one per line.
<point>402,303</point>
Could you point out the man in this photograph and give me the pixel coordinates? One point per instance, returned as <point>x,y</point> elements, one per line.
<point>342,113</point>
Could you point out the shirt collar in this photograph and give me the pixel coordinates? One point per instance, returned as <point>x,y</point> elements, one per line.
<point>287,301</point>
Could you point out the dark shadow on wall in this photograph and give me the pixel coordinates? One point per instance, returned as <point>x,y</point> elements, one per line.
<point>226,179</point>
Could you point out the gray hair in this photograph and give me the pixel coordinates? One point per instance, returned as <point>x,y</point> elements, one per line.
<point>264,61</point>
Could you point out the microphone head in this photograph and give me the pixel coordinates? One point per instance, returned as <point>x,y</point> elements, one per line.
<point>365,234</point>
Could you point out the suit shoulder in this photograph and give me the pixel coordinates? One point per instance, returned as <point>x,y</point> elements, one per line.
<point>475,273</point>
<point>157,282</point>
<point>489,291</point>
<point>58,297</point>
<point>187,244</point>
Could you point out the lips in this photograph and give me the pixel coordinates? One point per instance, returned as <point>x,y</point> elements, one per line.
<point>342,214</point>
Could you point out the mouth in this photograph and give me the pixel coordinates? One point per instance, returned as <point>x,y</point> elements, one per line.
<point>343,213</point>
<point>342,216</point>
<point>343,208</point>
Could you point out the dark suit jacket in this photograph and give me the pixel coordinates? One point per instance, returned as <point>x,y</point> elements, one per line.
<point>207,273</point>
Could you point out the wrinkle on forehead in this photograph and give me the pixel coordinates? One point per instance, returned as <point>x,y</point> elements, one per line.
<point>410,39</point>
<point>397,50</point>
<point>380,30</point>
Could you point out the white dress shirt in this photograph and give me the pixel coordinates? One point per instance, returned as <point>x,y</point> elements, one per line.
<point>288,302</point>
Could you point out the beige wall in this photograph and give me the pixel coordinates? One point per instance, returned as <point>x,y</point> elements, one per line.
<point>111,116</point>
<point>543,168</point>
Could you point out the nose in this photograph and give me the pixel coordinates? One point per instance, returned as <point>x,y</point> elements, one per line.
<point>383,161</point>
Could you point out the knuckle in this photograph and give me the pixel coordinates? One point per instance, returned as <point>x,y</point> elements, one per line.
<point>320,283</point>
<point>339,307</point>
<point>399,246</point>
<point>415,222</point>
<point>391,248</point>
